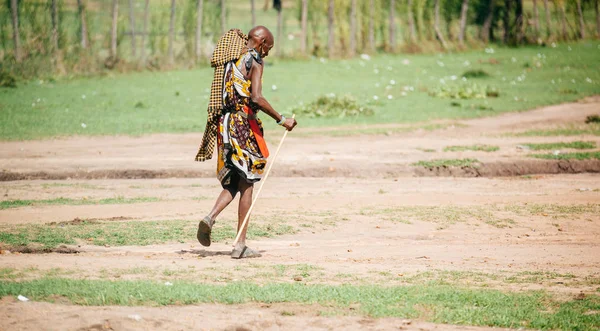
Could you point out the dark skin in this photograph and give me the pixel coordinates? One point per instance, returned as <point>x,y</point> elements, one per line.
<point>261,40</point>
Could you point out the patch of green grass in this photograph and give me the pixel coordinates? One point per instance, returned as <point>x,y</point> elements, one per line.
<point>447,163</point>
<point>569,156</point>
<point>501,222</point>
<point>76,185</point>
<point>107,105</point>
<point>443,215</point>
<point>67,201</point>
<point>127,233</point>
<point>532,277</point>
<point>568,91</point>
<point>305,270</point>
<point>443,304</point>
<point>8,273</point>
<point>592,129</point>
<point>350,131</point>
<point>15,274</point>
<point>499,279</point>
<point>559,145</point>
<point>497,216</point>
<point>554,210</point>
<point>483,148</point>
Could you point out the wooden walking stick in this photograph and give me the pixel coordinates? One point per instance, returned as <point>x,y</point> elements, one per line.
<point>260,188</point>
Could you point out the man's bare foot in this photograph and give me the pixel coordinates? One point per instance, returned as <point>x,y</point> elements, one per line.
<point>204,230</point>
<point>244,252</point>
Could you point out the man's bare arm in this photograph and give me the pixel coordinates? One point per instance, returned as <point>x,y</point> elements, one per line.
<point>256,95</point>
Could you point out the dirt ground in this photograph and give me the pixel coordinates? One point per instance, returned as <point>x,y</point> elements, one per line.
<point>363,214</point>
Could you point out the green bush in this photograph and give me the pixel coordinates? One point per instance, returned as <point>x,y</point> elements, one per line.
<point>7,80</point>
<point>332,106</point>
<point>475,73</point>
<point>592,119</point>
<point>468,91</point>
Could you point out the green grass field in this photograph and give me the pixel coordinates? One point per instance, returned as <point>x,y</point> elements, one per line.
<point>396,87</point>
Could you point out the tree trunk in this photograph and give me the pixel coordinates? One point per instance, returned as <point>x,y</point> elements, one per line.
<point>15,25</point>
<point>563,19</point>
<point>266,5</point>
<point>199,13</point>
<point>353,28</point>
<point>113,33</point>
<point>392,25</point>
<point>54,14</point>
<point>536,22</point>
<point>83,19</point>
<point>519,21</point>
<point>411,22</point>
<point>253,12</point>
<point>304,26</point>
<point>331,40</point>
<point>145,32</point>
<point>421,20</point>
<point>3,43</point>
<point>315,38</point>
<point>436,24</point>
<point>463,22</point>
<point>548,24</point>
<point>132,27</point>
<point>506,21</point>
<point>279,32</point>
<point>449,29</point>
<point>372,25</point>
<point>581,22</point>
<point>223,17</point>
<point>487,24</point>
<point>171,33</point>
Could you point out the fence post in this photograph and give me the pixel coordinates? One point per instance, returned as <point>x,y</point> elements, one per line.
<point>15,23</point>
<point>199,13</point>
<point>132,24</point>
<point>113,34</point>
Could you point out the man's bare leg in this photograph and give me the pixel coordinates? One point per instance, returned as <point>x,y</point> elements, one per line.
<point>223,201</point>
<point>205,226</point>
<point>241,250</point>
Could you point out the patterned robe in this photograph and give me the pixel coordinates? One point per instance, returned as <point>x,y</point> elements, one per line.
<point>240,144</point>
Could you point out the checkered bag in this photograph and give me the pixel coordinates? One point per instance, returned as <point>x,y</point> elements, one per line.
<point>229,48</point>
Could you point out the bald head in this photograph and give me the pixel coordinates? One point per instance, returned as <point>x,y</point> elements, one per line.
<point>261,39</point>
<point>261,32</point>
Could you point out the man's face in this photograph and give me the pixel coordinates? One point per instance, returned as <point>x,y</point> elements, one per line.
<point>266,47</point>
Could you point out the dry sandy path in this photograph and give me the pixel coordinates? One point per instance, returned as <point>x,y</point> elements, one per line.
<point>356,193</point>
<point>305,154</point>
<point>18,316</point>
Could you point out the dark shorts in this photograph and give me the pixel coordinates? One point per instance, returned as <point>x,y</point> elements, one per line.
<point>231,182</point>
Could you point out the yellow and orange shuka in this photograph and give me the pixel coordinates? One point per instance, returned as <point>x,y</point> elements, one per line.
<point>241,148</point>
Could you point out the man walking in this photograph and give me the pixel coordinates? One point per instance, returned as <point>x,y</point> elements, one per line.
<point>236,97</point>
